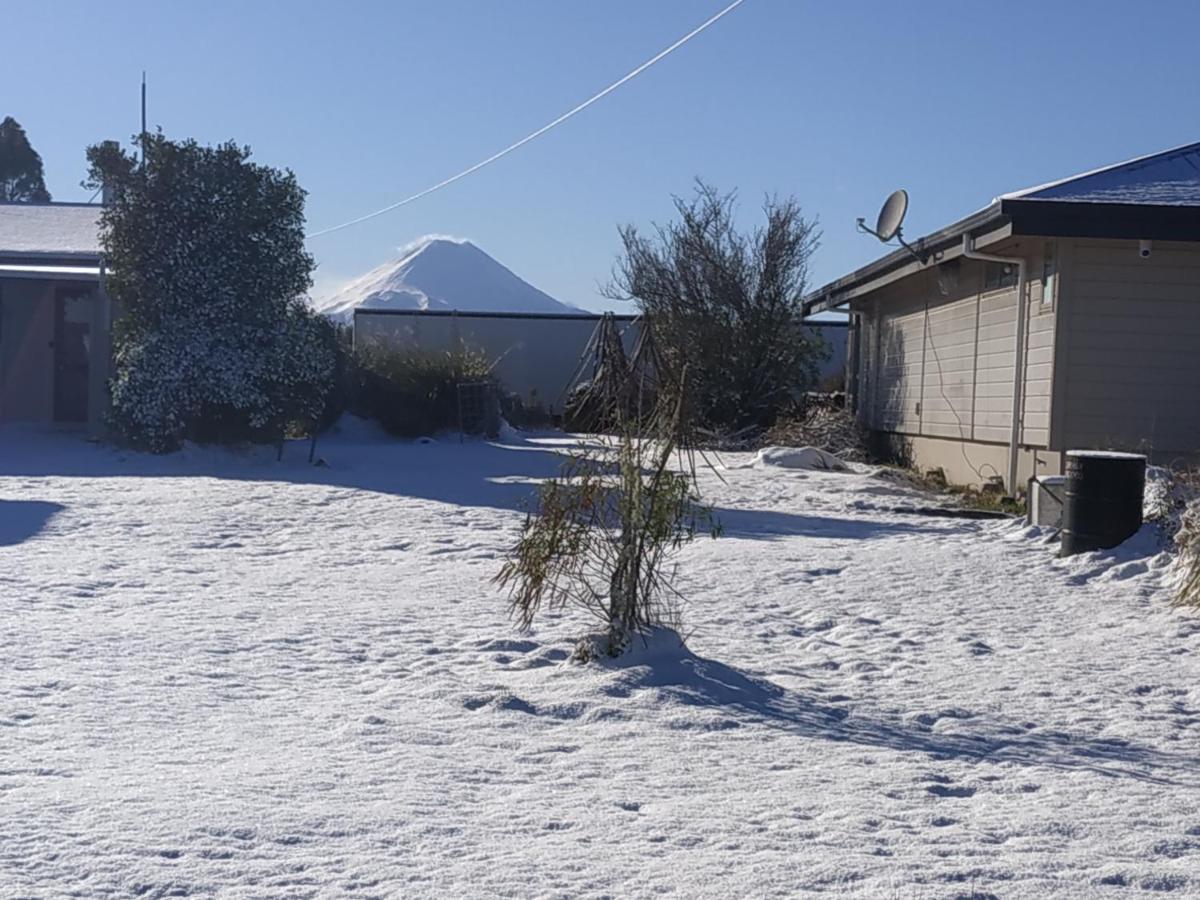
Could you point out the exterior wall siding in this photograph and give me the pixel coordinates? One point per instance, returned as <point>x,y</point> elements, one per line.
<point>26,350</point>
<point>896,377</point>
<point>1131,348</point>
<point>938,359</point>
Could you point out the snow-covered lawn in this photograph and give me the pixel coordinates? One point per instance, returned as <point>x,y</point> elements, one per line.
<point>220,674</point>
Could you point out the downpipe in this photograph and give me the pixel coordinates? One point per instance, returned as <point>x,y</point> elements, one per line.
<point>969,251</point>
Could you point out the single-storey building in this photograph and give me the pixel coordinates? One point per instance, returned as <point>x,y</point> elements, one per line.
<point>55,318</point>
<point>1065,316</point>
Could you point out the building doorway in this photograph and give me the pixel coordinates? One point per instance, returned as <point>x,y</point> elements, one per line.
<point>72,352</point>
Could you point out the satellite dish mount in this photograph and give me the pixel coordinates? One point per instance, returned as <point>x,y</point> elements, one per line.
<point>887,226</point>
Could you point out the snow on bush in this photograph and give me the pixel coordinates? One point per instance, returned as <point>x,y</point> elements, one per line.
<point>214,340</point>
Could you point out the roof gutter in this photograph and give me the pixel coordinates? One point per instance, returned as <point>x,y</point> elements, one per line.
<point>969,251</point>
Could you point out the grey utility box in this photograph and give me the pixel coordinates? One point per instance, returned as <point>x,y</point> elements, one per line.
<point>1046,495</point>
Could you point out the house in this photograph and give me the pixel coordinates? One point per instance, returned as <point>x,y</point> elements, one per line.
<point>55,318</point>
<point>1065,316</point>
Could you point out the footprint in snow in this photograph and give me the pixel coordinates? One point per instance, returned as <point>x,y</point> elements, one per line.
<point>937,778</point>
<point>501,700</point>
<point>507,646</point>
<point>948,790</point>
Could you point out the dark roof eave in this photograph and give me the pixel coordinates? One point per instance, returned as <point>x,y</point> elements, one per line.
<point>25,258</point>
<point>1088,219</point>
<point>824,298</point>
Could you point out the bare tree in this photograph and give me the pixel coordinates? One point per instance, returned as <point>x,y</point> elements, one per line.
<point>726,304</point>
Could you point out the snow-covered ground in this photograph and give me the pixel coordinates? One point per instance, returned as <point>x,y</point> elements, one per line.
<point>220,674</point>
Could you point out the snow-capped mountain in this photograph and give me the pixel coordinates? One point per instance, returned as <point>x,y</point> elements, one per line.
<point>440,273</point>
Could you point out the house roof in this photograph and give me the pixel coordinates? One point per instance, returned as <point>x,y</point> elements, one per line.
<point>1171,177</point>
<point>1155,197</point>
<point>59,231</point>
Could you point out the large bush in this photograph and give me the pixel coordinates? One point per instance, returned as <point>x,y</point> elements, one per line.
<point>726,305</point>
<point>413,392</point>
<point>208,270</point>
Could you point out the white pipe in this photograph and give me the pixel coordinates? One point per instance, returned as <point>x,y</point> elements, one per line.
<point>969,251</point>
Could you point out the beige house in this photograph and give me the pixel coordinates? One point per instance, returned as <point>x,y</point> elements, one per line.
<point>1065,316</point>
<point>55,318</point>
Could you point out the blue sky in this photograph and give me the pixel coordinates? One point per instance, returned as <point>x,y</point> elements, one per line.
<point>836,103</point>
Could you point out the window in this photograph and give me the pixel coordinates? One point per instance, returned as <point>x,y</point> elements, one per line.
<point>1049,273</point>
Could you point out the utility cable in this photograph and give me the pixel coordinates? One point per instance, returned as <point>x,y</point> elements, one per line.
<point>525,140</point>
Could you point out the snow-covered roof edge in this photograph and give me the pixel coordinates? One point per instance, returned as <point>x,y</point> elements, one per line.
<point>1182,152</point>
<point>52,230</point>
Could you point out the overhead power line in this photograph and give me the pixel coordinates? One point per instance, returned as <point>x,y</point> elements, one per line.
<point>529,137</point>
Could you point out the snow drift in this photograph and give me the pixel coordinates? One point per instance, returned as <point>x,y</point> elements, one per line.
<point>799,458</point>
<point>441,273</point>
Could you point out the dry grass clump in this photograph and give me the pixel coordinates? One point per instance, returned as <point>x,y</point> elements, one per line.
<point>1187,546</point>
<point>1173,501</point>
<point>827,427</point>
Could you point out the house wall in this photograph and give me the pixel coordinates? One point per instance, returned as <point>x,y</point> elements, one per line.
<point>27,354</point>
<point>937,364</point>
<point>1129,369</point>
<point>26,350</point>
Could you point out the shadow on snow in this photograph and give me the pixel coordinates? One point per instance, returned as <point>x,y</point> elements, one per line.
<point>472,473</point>
<point>21,520</point>
<point>665,666</point>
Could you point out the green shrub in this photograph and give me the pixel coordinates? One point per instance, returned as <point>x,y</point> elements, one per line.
<point>413,392</point>
<point>342,387</point>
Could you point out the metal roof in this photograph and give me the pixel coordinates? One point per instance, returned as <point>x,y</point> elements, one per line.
<point>50,230</point>
<point>1169,178</point>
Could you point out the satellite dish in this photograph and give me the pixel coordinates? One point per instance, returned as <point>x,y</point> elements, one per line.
<point>891,217</point>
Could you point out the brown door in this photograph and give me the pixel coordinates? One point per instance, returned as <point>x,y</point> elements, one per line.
<point>72,343</point>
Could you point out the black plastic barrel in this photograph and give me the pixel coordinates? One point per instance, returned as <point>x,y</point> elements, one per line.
<point>1103,505</point>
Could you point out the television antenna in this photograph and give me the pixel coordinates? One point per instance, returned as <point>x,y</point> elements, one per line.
<point>888,225</point>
